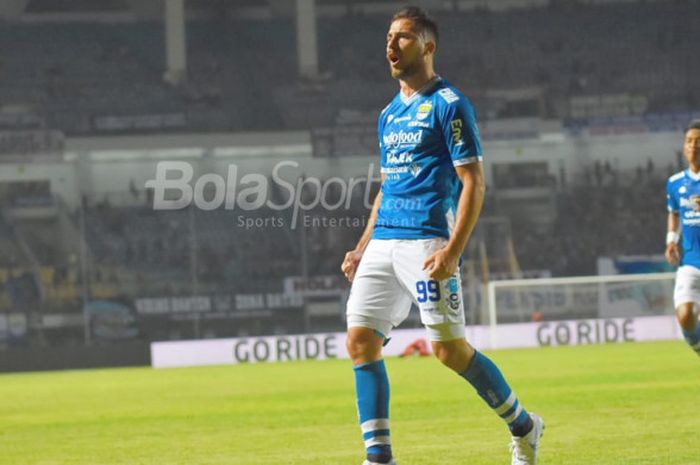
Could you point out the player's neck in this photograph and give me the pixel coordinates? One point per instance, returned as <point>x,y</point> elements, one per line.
<point>694,169</point>
<point>413,84</point>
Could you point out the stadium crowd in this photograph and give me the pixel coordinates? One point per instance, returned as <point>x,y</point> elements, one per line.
<point>95,78</point>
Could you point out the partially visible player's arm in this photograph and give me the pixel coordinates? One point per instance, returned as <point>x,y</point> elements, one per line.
<point>352,258</point>
<point>673,255</point>
<point>369,229</point>
<point>443,263</point>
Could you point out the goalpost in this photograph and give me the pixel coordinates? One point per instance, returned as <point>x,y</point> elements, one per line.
<point>586,297</point>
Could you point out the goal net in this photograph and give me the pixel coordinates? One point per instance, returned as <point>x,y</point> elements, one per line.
<point>615,296</point>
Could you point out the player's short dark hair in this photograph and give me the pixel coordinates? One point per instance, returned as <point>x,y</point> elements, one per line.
<point>694,124</point>
<point>424,23</point>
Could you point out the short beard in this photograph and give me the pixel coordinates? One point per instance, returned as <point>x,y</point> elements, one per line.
<point>404,73</point>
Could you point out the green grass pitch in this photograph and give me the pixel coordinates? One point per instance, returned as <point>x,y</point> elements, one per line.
<point>604,404</point>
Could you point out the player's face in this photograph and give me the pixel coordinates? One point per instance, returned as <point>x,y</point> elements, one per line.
<point>691,147</point>
<point>405,49</point>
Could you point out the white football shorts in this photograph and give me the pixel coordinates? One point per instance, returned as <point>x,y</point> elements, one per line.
<point>390,278</point>
<point>687,287</point>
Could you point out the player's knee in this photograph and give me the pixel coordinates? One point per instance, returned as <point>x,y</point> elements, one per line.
<point>456,355</point>
<point>363,345</point>
<point>443,354</point>
<point>686,316</point>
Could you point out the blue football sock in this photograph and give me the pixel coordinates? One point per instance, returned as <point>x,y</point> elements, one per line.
<point>372,388</point>
<point>693,338</point>
<point>489,383</point>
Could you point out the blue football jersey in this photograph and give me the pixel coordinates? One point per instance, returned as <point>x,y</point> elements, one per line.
<point>421,139</point>
<point>681,191</point>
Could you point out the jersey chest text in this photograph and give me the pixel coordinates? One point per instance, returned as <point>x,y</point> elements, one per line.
<point>689,202</point>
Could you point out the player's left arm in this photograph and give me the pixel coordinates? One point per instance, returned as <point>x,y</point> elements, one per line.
<point>444,262</point>
<point>461,137</point>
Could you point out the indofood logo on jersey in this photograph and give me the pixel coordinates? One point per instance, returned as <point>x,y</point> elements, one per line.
<point>397,139</point>
<point>424,110</point>
<point>692,203</point>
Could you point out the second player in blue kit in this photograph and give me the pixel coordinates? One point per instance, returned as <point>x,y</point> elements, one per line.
<point>683,238</point>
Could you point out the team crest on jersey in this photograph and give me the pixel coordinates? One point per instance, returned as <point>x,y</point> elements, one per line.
<point>424,110</point>
<point>389,118</point>
<point>682,190</point>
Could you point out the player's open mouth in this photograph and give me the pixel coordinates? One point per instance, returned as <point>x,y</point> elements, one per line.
<point>393,58</point>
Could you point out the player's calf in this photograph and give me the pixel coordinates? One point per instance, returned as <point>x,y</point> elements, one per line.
<point>492,387</point>
<point>688,321</point>
<point>456,354</point>
<point>372,389</point>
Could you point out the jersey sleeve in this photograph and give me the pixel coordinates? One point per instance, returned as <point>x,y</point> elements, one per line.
<point>461,132</point>
<point>671,200</point>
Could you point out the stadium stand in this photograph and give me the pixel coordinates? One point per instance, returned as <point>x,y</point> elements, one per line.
<point>585,226</point>
<point>87,78</point>
<point>92,78</point>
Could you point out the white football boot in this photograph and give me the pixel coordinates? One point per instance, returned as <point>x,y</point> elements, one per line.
<point>367,462</point>
<point>524,449</point>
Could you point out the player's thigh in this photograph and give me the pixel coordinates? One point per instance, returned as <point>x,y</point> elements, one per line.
<point>687,288</point>
<point>377,300</point>
<point>440,303</point>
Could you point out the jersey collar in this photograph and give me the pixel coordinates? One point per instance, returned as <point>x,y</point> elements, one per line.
<point>691,175</point>
<point>428,85</point>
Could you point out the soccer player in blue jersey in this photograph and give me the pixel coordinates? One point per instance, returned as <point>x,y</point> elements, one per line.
<point>683,199</point>
<point>430,199</point>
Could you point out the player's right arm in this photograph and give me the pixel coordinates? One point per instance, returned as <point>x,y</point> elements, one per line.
<point>673,255</point>
<point>353,257</point>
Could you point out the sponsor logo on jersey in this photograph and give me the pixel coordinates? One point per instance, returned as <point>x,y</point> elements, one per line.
<point>691,217</point>
<point>397,139</point>
<point>402,119</point>
<point>456,128</point>
<point>424,110</point>
<point>453,301</point>
<point>691,203</point>
<point>420,124</point>
<point>452,285</point>
<point>415,169</point>
<point>394,159</point>
<point>448,95</point>
<point>395,170</point>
